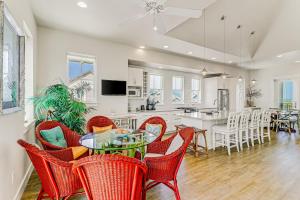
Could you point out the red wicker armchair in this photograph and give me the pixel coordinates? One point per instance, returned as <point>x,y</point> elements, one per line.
<point>163,169</point>
<point>55,172</point>
<point>99,121</point>
<point>112,177</point>
<point>71,137</point>
<point>156,120</point>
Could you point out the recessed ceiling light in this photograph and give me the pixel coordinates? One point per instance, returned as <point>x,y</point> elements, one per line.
<point>230,61</point>
<point>155,28</point>
<point>166,46</point>
<point>142,47</point>
<point>213,58</point>
<point>190,52</point>
<point>279,56</point>
<point>82,4</point>
<point>297,61</point>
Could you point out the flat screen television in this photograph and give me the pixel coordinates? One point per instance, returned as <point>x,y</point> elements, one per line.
<point>113,88</point>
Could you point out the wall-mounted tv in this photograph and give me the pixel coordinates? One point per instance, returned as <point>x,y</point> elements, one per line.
<point>113,88</point>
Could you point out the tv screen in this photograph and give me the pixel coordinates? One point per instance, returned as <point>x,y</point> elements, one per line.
<point>113,87</point>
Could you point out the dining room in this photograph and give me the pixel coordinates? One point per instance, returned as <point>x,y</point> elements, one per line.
<point>149,99</point>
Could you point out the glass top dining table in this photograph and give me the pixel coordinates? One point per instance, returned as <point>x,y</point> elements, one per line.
<point>117,139</point>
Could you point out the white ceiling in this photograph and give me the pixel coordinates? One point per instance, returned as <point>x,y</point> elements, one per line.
<point>112,20</point>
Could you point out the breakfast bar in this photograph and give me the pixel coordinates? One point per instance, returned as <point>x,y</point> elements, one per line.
<point>204,120</point>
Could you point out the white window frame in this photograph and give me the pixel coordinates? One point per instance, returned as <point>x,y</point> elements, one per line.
<point>199,91</point>
<point>161,89</point>
<point>87,58</point>
<point>20,106</point>
<point>29,74</point>
<point>183,99</point>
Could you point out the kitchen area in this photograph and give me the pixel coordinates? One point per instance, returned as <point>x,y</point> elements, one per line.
<point>151,92</point>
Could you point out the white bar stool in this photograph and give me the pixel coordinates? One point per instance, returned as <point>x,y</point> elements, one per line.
<point>229,131</point>
<point>244,129</point>
<point>254,126</point>
<point>265,123</point>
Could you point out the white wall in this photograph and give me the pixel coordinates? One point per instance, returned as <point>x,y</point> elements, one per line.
<point>14,162</point>
<point>265,81</point>
<point>112,62</point>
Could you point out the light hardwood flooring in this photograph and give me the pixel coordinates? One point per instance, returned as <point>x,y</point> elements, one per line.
<point>267,171</point>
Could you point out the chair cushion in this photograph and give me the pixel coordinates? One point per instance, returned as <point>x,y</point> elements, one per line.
<point>154,128</point>
<point>78,151</point>
<point>54,136</point>
<point>153,155</point>
<point>97,129</point>
<point>175,144</point>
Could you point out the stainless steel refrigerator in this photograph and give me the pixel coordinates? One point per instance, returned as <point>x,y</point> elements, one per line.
<point>223,100</point>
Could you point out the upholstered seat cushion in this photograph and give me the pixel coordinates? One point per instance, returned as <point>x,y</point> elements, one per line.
<point>54,136</point>
<point>152,155</point>
<point>175,144</point>
<point>154,128</point>
<point>101,129</point>
<point>78,151</point>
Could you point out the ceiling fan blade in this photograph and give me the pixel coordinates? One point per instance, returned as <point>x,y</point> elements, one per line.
<point>184,12</point>
<point>135,18</point>
<point>160,23</point>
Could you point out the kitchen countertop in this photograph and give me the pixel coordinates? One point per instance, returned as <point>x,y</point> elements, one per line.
<point>154,111</point>
<point>204,116</point>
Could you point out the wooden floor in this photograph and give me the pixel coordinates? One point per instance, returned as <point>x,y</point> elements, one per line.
<point>270,171</point>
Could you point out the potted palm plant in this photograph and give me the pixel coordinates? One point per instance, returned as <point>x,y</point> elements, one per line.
<point>64,104</point>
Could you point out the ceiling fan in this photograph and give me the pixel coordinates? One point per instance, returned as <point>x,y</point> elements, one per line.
<point>158,8</point>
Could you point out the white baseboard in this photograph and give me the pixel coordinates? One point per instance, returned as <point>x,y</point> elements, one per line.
<point>24,183</point>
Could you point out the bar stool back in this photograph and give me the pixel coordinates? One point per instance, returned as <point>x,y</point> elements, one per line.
<point>244,129</point>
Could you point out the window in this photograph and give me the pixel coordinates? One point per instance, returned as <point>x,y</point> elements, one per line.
<point>12,53</point>
<point>178,91</point>
<point>156,88</point>
<point>287,94</point>
<point>196,91</point>
<point>82,77</point>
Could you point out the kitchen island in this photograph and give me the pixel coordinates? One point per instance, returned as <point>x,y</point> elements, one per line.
<point>203,120</point>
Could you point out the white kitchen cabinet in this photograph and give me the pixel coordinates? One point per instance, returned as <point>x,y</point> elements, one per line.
<point>135,77</point>
<point>211,86</point>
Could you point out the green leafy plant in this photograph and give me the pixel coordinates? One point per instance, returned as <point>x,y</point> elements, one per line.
<point>59,102</point>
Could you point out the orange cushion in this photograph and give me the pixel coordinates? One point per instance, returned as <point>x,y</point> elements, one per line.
<point>78,151</point>
<point>101,129</point>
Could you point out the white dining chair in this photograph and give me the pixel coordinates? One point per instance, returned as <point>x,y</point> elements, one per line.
<point>254,126</point>
<point>227,134</point>
<point>265,123</point>
<point>244,129</point>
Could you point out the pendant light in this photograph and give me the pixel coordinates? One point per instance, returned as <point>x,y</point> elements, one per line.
<point>204,71</point>
<point>223,18</point>
<point>252,35</point>
<point>239,27</point>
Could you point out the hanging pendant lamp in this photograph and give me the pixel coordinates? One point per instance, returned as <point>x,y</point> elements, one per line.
<point>223,18</point>
<point>204,71</point>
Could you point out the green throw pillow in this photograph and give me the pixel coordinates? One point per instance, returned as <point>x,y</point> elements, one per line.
<point>54,136</point>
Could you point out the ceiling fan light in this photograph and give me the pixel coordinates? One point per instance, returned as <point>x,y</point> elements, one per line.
<point>224,76</point>
<point>204,71</point>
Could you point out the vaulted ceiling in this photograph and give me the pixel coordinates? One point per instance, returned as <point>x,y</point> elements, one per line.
<point>181,26</point>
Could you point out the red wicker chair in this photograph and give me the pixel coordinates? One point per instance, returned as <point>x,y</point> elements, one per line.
<point>156,120</point>
<point>164,169</point>
<point>112,177</point>
<point>55,172</point>
<point>71,137</point>
<point>99,121</point>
